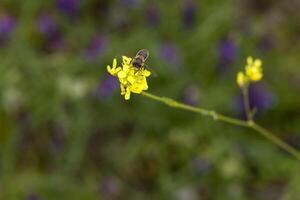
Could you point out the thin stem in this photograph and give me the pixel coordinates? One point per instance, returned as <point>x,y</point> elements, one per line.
<point>216,116</point>
<point>245,91</point>
<point>276,140</point>
<point>211,113</point>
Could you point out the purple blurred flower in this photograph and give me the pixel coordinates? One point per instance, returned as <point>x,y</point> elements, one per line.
<point>96,47</point>
<point>32,196</point>
<point>170,53</point>
<point>107,86</point>
<point>69,7</point>
<point>191,95</point>
<point>260,99</point>
<point>227,51</point>
<point>130,3</point>
<point>7,26</point>
<point>48,27</point>
<point>153,16</point>
<point>189,13</point>
<point>110,188</point>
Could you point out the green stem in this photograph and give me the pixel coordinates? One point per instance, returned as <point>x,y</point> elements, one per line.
<point>245,91</point>
<point>216,116</point>
<point>276,140</point>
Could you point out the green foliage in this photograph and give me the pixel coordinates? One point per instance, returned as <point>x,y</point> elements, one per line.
<point>60,139</point>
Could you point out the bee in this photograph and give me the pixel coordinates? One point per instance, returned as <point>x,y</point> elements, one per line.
<point>139,60</point>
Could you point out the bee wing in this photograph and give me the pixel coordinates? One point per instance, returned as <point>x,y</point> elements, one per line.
<point>144,53</point>
<point>154,74</point>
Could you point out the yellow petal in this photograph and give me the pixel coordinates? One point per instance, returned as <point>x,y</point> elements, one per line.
<point>108,68</point>
<point>136,88</point>
<point>254,73</point>
<point>249,60</point>
<point>146,72</point>
<point>126,60</point>
<point>123,91</point>
<point>126,68</point>
<point>127,95</point>
<point>257,63</point>
<point>114,63</point>
<point>118,69</point>
<point>123,81</point>
<point>122,74</point>
<point>131,79</point>
<point>145,87</point>
<point>256,77</point>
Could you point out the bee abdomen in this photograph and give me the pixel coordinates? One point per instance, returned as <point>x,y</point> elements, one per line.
<point>137,63</point>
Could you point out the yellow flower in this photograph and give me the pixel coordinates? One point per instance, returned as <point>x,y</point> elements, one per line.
<point>253,69</point>
<point>253,72</point>
<point>241,79</point>
<point>131,79</point>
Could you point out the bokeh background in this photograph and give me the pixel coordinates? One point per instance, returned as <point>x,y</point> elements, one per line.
<point>66,133</point>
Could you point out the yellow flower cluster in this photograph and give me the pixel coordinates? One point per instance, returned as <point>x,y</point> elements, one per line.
<point>131,79</point>
<point>253,72</point>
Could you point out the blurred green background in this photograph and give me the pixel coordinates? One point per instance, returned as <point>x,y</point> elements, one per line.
<point>66,133</point>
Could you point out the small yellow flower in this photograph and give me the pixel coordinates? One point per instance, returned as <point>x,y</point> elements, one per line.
<point>253,72</point>
<point>241,79</point>
<point>131,79</point>
<point>253,69</point>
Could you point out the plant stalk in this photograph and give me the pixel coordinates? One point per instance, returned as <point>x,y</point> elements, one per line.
<point>230,120</point>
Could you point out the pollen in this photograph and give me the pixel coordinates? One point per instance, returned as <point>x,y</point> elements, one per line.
<point>131,80</point>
